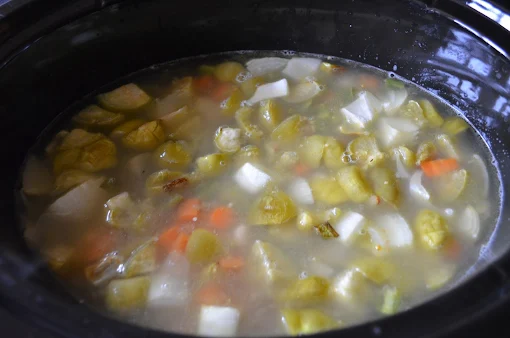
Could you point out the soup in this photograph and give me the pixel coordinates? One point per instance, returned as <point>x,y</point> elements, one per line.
<point>263,195</point>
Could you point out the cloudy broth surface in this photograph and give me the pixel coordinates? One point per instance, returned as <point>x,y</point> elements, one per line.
<point>259,194</point>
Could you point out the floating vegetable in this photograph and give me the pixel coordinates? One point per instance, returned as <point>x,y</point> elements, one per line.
<point>270,114</point>
<point>263,66</point>
<point>429,111</point>
<point>127,98</point>
<point>307,321</point>
<point>303,92</point>
<point>272,263</point>
<point>228,71</point>
<point>328,190</point>
<point>127,294</point>
<point>217,321</point>
<point>426,152</point>
<point>228,139</point>
<point>431,228</point>
<point>94,116</point>
<point>125,128</point>
<point>203,246</point>
<point>450,186</point>
<point>251,178</point>
<point>213,164</point>
<point>385,184</point>
<point>362,110</point>
<point>252,131</point>
<point>365,151</point>
<point>333,154</point>
<point>469,223</point>
<point>311,150</point>
<point>270,91</point>
<point>352,182</point>
<point>173,155</point>
<point>308,290</point>
<point>391,300</point>
<point>326,230</point>
<point>290,129</point>
<point>300,191</point>
<point>272,208</point>
<point>416,187</point>
<point>146,137</point>
<point>349,226</point>
<point>454,125</point>
<point>299,68</point>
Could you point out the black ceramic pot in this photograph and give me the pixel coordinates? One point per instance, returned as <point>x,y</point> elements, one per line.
<point>55,52</point>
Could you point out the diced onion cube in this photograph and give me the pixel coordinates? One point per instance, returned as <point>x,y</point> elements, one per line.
<point>218,321</point>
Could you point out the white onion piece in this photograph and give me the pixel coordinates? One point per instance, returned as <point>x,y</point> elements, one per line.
<point>37,179</point>
<point>469,223</point>
<point>394,99</point>
<point>362,110</point>
<point>477,161</point>
<point>300,191</point>
<point>218,321</point>
<point>401,171</point>
<point>271,90</point>
<point>349,225</point>
<point>299,68</point>
<point>262,66</point>
<point>303,92</point>
<point>416,188</point>
<point>316,267</point>
<point>393,131</point>
<point>78,205</point>
<point>170,285</point>
<point>251,178</point>
<point>397,230</point>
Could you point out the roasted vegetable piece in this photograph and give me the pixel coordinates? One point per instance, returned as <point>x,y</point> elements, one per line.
<point>142,260</point>
<point>365,152</point>
<point>431,228</point>
<point>213,164</point>
<point>391,301</point>
<point>272,263</point>
<point>454,125</point>
<point>228,71</point>
<point>252,131</point>
<point>326,230</point>
<point>307,321</point>
<point>203,247</point>
<point>127,294</point>
<point>333,153</point>
<point>311,150</point>
<point>377,270</point>
<point>270,114</point>
<point>435,120</point>
<point>328,190</point>
<point>308,290</point>
<point>85,151</point>
<point>272,208</point>
<point>354,185</point>
<point>94,116</point>
<point>125,128</point>
<point>70,179</point>
<point>228,139</point>
<point>231,104</point>
<point>446,146</point>
<point>287,160</point>
<point>426,152</point>
<point>249,153</point>
<point>127,98</point>
<point>173,155</point>
<point>156,182</point>
<point>147,137</point>
<point>290,129</point>
<point>451,185</point>
<point>385,184</point>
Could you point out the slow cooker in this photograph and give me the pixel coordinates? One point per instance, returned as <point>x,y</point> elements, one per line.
<point>53,53</point>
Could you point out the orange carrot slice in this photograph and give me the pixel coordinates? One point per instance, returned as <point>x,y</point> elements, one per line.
<point>231,263</point>
<point>222,218</point>
<point>440,167</point>
<point>188,210</point>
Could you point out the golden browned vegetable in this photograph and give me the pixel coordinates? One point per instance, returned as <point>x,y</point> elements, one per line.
<point>173,155</point>
<point>431,228</point>
<point>272,208</point>
<point>127,98</point>
<point>146,137</point>
<point>94,116</point>
<point>353,183</point>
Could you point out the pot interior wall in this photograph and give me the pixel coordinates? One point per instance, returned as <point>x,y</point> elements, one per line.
<point>405,37</point>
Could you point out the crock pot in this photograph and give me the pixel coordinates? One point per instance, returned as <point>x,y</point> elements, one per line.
<point>53,53</point>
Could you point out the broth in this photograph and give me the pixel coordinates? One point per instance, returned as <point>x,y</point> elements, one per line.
<point>259,194</point>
